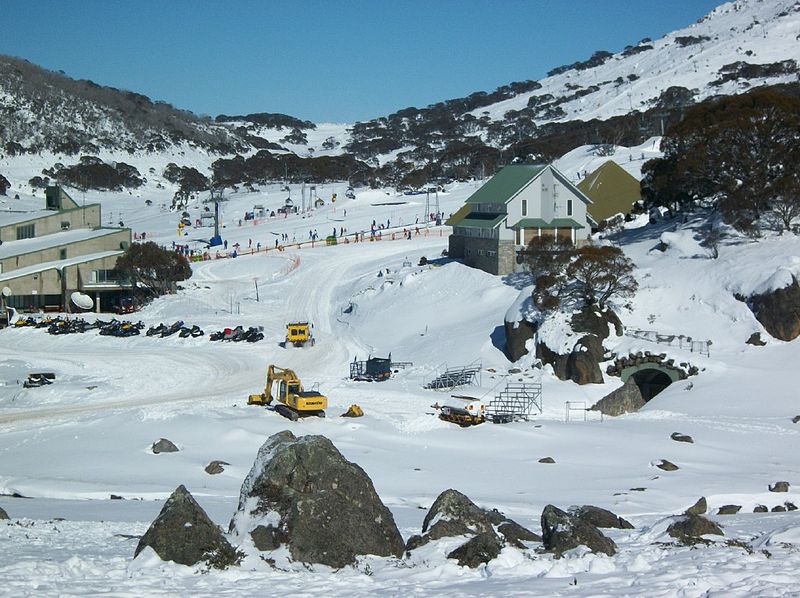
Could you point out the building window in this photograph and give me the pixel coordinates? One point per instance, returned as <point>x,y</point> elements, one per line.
<point>491,253</point>
<point>62,253</point>
<point>26,231</point>
<point>467,252</point>
<point>569,207</point>
<point>524,207</point>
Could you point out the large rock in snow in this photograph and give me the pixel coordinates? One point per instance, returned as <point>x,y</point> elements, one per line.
<point>454,514</point>
<point>517,335</point>
<point>302,493</point>
<point>183,533</point>
<point>778,311</point>
<point>690,529</point>
<point>625,399</point>
<point>562,531</point>
<point>581,362</point>
<point>600,517</point>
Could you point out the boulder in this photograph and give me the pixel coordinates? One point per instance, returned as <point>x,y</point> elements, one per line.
<point>3,514</point>
<point>562,532</point>
<point>690,529</point>
<point>215,467</point>
<point>778,509</point>
<point>183,533</point>
<point>796,419</point>
<point>556,360</point>
<point>477,550</point>
<point>547,460</point>
<point>511,531</point>
<point>729,509</point>
<point>760,509</point>
<point>598,517</point>
<point>625,399</point>
<point>755,340</point>
<point>790,506</point>
<point>678,437</point>
<point>779,311</point>
<point>304,494</point>
<point>779,487</point>
<point>164,446</point>
<point>667,465</point>
<point>454,514</point>
<point>583,364</point>
<point>595,321</point>
<point>698,508</point>
<point>517,335</point>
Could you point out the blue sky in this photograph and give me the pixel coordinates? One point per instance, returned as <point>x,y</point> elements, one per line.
<point>326,61</point>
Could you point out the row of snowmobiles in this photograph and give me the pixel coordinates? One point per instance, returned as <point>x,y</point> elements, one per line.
<point>164,330</point>
<point>238,334</point>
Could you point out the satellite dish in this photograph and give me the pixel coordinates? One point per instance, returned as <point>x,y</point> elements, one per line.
<point>6,292</point>
<point>81,300</point>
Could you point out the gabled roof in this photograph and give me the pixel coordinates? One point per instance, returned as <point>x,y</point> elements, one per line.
<point>506,184</point>
<point>612,190</point>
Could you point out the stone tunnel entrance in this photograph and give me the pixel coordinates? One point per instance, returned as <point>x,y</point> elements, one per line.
<point>651,378</point>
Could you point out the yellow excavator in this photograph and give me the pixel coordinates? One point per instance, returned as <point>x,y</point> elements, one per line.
<point>293,401</point>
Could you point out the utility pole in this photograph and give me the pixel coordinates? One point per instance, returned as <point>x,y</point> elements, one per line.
<point>255,281</point>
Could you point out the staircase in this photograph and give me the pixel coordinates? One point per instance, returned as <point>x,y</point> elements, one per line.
<point>515,402</point>
<point>457,376</point>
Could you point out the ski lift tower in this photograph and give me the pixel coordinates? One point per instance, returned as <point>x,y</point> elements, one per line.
<point>428,203</point>
<point>216,197</point>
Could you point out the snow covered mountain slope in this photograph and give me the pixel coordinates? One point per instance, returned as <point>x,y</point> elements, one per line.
<point>623,98</point>
<point>71,445</point>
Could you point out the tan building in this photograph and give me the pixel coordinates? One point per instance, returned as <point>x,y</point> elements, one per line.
<point>47,255</point>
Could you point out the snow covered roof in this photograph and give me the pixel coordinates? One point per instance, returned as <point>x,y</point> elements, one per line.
<point>16,217</point>
<point>57,264</point>
<point>13,248</point>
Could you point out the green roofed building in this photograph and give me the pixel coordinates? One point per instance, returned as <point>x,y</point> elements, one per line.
<point>612,191</point>
<point>518,204</point>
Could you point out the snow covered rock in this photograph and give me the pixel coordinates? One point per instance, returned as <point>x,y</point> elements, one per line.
<point>600,517</point>
<point>517,336</point>
<point>183,533</point>
<point>3,514</point>
<point>302,493</point>
<point>477,550</point>
<point>665,465</point>
<point>690,529</point>
<point>698,508</point>
<point>215,467</point>
<point>778,310</point>
<point>729,509</point>
<point>563,531</point>
<point>164,446</point>
<point>577,361</point>
<point>454,514</point>
<point>779,487</point>
<point>625,399</point>
<point>678,437</point>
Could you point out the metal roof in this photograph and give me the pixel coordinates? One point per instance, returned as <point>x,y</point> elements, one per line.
<point>57,264</point>
<point>506,184</point>
<point>13,248</point>
<point>556,223</point>
<point>476,221</point>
